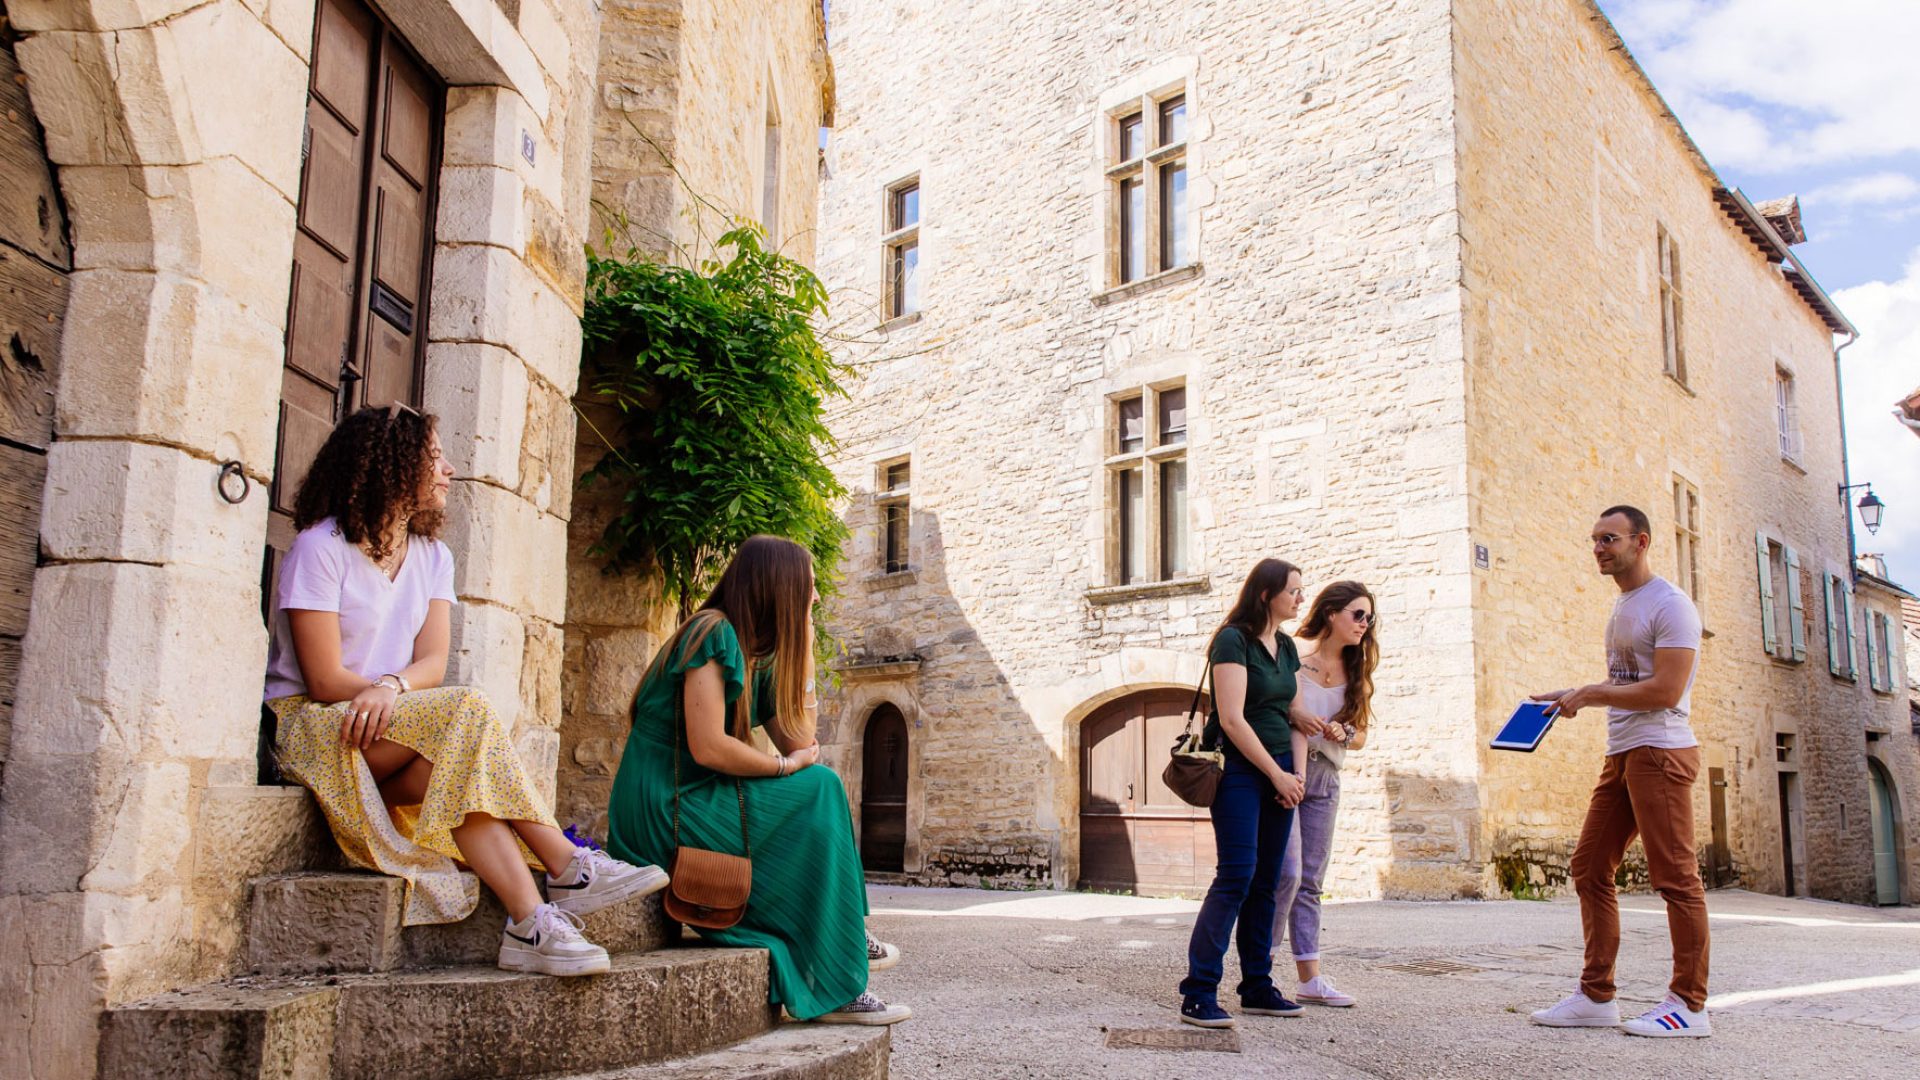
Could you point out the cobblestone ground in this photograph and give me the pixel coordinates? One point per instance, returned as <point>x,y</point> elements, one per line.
<point>1007,985</point>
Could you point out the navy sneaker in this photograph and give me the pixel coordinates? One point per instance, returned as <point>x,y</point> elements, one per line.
<point>1269,1002</point>
<point>1204,1012</point>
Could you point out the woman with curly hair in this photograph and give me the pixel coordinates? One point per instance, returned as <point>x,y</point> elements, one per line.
<point>1336,684</point>
<point>412,774</point>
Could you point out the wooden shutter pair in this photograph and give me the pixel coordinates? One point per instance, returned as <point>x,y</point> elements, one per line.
<point>1794,644</point>
<point>1840,622</point>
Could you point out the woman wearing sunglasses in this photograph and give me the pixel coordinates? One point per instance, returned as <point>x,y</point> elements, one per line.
<point>1336,682</point>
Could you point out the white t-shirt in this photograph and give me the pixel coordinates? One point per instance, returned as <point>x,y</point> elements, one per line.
<point>378,618</point>
<point>1656,615</point>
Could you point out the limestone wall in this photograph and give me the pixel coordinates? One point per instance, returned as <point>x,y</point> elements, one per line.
<point>130,820</point>
<point>1319,340</point>
<point>687,92</point>
<point>1568,169</point>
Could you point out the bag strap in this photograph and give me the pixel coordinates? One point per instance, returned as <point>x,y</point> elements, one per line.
<point>1194,706</point>
<point>679,720</point>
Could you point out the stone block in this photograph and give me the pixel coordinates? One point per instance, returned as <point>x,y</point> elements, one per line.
<point>16,983</point>
<point>540,675</point>
<point>36,16</point>
<point>485,125</point>
<point>482,204</point>
<point>487,650</point>
<point>546,452</point>
<point>547,39</point>
<point>312,923</point>
<point>167,359</point>
<point>120,501</point>
<point>508,552</point>
<point>789,1052</point>
<point>539,750</point>
<point>615,660</point>
<point>285,1032</point>
<point>479,392</point>
<point>136,121</point>
<point>291,21</point>
<point>215,221</point>
<point>147,830</point>
<point>52,830</point>
<point>487,294</point>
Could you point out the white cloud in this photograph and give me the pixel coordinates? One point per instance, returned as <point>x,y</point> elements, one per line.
<point>1876,189</point>
<point>1880,369</point>
<point>1779,84</point>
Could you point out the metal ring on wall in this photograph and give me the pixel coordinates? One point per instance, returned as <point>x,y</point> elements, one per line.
<point>230,470</point>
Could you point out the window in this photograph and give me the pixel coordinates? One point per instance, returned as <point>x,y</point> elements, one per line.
<point>1152,225</point>
<point>1783,628</point>
<point>1673,343</point>
<point>1783,747</point>
<point>1880,651</point>
<point>1147,466</point>
<point>1686,538</point>
<point>770,180</point>
<point>1786,414</point>
<point>895,517</point>
<point>1842,648</point>
<point>903,249</point>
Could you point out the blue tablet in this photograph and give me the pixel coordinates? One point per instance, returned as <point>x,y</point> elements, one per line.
<point>1526,727</point>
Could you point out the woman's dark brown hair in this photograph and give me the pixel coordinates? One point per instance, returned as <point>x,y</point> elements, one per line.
<point>765,594</point>
<point>1360,660</point>
<point>1266,581</point>
<point>369,474</point>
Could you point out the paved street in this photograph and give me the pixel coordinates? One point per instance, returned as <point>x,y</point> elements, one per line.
<point>1008,985</point>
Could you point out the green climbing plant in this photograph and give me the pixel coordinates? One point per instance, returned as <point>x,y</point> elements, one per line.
<point>719,381</point>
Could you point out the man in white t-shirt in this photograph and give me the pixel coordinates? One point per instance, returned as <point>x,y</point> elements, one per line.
<point>1645,789</point>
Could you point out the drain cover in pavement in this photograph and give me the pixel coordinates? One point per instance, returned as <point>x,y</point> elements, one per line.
<point>1431,967</point>
<point>1217,1040</point>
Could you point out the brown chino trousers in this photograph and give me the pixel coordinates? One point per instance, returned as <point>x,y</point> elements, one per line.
<point>1648,791</point>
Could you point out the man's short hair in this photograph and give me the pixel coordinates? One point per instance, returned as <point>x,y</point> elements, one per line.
<point>1634,515</point>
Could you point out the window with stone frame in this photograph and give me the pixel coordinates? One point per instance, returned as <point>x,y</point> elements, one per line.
<point>1146,471</point>
<point>896,519</point>
<point>1150,228</point>
<point>1783,628</point>
<point>1786,414</point>
<point>1672,310</point>
<point>1880,651</point>
<point>901,243</point>
<point>1843,649</point>
<point>1686,539</point>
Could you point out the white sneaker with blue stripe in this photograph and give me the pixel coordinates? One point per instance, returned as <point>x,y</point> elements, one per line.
<point>1671,1019</point>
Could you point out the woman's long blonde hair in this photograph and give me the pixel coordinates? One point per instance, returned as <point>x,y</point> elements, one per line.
<point>1360,660</point>
<point>764,594</point>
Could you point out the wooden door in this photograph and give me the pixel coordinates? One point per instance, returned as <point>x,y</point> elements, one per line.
<point>883,792</point>
<point>1720,870</point>
<point>1883,812</point>
<point>1135,833</point>
<point>356,320</point>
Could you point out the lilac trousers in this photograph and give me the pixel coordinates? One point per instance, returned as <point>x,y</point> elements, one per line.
<point>1296,914</point>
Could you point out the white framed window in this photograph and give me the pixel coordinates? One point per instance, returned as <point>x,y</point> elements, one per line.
<point>1686,539</point>
<point>1672,309</point>
<point>1783,626</point>
<point>1786,414</point>
<point>901,245</point>
<point>1146,469</point>
<point>1843,646</point>
<point>1150,224</point>
<point>896,516</point>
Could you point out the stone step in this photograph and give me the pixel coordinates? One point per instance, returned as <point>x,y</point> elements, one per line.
<point>789,1052</point>
<point>320,923</point>
<point>463,1023</point>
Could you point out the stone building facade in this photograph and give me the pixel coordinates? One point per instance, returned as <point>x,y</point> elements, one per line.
<point>1405,292</point>
<point>240,259</point>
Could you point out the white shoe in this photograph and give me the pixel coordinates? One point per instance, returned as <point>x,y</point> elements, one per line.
<point>548,942</point>
<point>865,1009</point>
<point>596,879</point>
<point>880,954</point>
<point>1671,1019</point>
<point>1320,990</point>
<point>1580,1011</point>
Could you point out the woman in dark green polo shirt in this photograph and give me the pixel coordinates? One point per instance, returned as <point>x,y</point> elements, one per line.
<point>1253,694</point>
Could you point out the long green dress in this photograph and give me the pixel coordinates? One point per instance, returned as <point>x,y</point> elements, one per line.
<point>808,906</point>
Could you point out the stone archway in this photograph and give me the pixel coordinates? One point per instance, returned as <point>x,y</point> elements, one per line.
<point>1889,871</point>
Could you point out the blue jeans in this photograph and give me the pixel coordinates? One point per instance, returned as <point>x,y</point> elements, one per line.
<point>1250,830</point>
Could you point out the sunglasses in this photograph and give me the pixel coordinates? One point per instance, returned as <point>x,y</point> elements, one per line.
<point>1364,618</point>
<point>394,409</point>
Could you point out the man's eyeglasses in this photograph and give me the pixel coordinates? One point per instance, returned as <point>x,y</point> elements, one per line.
<point>1610,539</point>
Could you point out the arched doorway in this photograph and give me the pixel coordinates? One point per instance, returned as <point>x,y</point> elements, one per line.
<point>883,792</point>
<point>1135,833</point>
<point>1883,811</point>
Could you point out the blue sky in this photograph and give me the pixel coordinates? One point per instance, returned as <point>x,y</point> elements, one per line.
<point>1821,99</point>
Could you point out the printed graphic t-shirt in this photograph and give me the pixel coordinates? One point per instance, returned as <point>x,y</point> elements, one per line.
<point>1656,615</point>
<point>378,618</point>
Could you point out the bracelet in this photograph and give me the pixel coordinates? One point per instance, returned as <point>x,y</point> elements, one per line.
<point>780,765</point>
<point>398,686</point>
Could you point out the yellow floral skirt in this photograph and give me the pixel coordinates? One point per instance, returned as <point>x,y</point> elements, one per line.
<point>475,770</point>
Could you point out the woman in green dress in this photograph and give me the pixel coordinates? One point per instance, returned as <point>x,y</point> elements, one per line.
<point>745,660</point>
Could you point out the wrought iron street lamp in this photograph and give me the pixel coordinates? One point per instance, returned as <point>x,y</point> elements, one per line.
<point>1870,506</point>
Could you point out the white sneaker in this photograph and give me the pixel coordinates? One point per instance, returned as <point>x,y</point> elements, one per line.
<point>1320,990</point>
<point>596,879</point>
<point>548,942</point>
<point>881,955</point>
<point>865,1009</point>
<point>1580,1011</point>
<point>1671,1019</point>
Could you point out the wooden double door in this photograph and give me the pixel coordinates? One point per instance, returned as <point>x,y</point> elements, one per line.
<point>356,322</point>
<point>1135,833</point>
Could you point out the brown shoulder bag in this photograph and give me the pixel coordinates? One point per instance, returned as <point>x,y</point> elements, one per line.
<point>707,889</point>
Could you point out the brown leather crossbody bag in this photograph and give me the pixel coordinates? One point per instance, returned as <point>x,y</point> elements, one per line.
<point>707,889</point>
